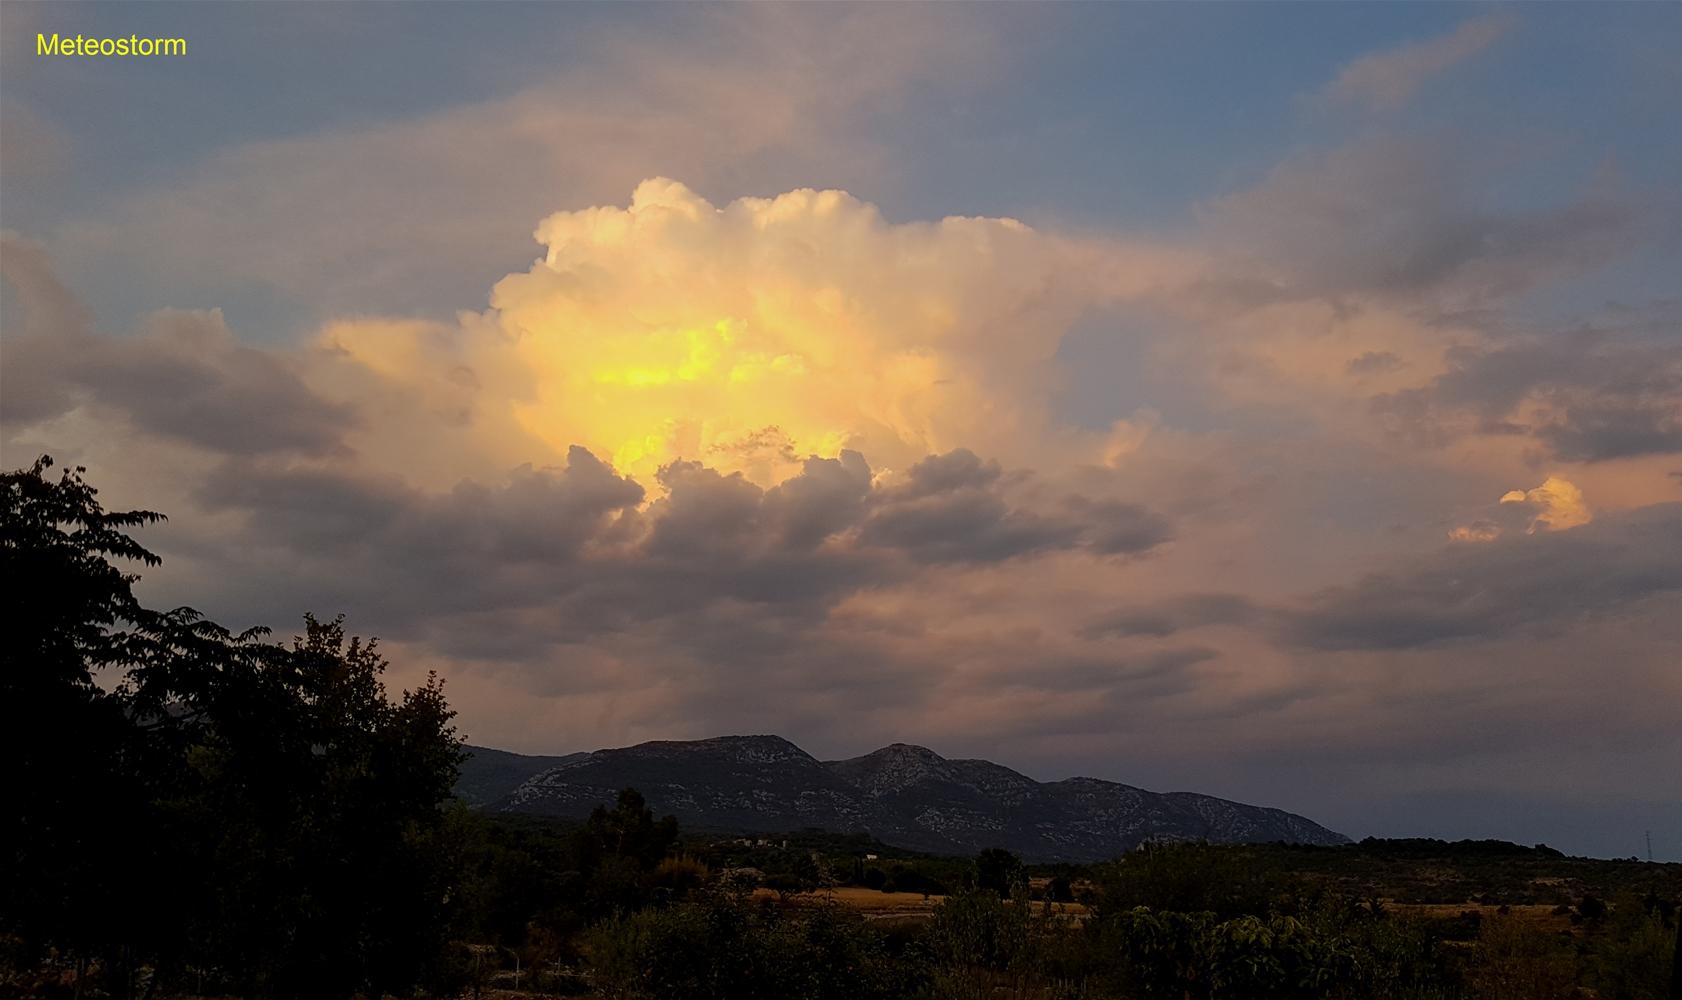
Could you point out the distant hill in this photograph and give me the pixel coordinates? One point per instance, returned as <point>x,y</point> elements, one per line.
<point>907,796</point>
<point>488,775</point>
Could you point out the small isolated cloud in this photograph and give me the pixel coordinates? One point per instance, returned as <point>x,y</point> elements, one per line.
<point>1556,505</point>
<point>1386,81</point>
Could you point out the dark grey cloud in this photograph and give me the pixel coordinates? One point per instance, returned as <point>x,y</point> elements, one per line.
<point>966,526</point>
<point>954,470</point>
<point>558,555</point>
<point>1165,618</point>
<point>1118,528</point>
<point>951,510</point>
<point>1374,363</point>
<point>1418,219</point>
<point>185,377</point>
<point>1516,584</point>
<point>1615,429</point>
<point>1584,398</point>
<point>1160,671</point>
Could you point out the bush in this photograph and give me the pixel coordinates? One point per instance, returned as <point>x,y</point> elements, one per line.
<point>999,870</point>
<point>1516,962</point>
<point>675,878</point>
<point>1630,958</point>
<point>723,946</point>
<point>903,879</point>
<point>1191,878</point>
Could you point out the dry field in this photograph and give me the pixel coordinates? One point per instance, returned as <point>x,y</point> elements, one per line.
<point>1539,915</point>
<point>877,905</point>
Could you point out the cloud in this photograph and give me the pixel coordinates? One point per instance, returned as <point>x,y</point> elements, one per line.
<point>1374,363</point>
<point>1386,81</point>
<point>1556,505</point>
<point>702,464</point>
<point>749,335</point>
<point>1418,221</point>
<point>949,512</point>
<point>183,377</point>
<point>50,317</point>
<point>419,213</point>
<point>1167,618</point>
<point>1515,584</point>
<point>581,540</point>
<point>1584,398</point>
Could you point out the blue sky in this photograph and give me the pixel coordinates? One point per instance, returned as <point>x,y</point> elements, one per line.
<point>1338,343</point>
<point>1080,116</point>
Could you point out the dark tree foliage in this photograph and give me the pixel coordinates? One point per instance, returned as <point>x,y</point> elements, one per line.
<point>83,828</point>
<point>1190,878</point>
<point>629,831</point>
<point>617,848</point>
<point>1060,890</point>
<point>193,797</point>
<point>998,870</point>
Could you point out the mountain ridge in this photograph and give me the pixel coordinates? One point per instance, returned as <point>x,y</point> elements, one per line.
<point>905,795</point>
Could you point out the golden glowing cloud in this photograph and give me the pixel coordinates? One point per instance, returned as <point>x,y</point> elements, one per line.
<point>1555,505</point>
<point>1560,505</point>
<point>752,335</point>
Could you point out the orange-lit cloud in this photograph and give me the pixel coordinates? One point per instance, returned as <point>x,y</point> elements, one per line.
<point>1559,505</point>
<point>1556,505</point>
<point>752,335</point>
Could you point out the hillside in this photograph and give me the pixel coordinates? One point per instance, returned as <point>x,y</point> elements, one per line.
<point>906,796</point>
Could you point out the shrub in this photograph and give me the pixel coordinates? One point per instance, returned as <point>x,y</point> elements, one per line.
<point>1516,962</point>
<point>1190,878</point>
<point>723,946</point>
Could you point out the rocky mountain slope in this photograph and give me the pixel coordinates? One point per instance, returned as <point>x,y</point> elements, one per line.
<point>906,796</point>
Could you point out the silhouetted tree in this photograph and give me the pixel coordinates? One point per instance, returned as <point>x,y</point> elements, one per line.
<point>185,794</point>
<point>628,830</point>
<point>998,870</point>
<point>82,681</point>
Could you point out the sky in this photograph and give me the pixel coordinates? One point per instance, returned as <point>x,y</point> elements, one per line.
<point>1281,402</point>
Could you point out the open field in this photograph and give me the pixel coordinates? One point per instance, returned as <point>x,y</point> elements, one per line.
<point>878,905</point>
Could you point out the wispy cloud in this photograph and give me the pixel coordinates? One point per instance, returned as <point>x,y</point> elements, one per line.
<point>1387,80</point>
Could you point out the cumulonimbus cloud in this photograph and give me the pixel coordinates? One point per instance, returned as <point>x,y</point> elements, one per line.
<point>750,335</point>
<point>702,460</point>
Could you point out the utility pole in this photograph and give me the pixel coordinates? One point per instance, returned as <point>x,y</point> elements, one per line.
<point>1649,845</point>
